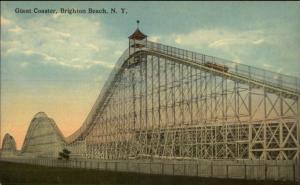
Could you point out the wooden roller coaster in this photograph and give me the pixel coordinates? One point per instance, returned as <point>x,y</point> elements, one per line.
<point>215,66</point>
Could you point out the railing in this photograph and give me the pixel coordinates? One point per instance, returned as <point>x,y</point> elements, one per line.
<point>265,76</point>
<point>258,170</point>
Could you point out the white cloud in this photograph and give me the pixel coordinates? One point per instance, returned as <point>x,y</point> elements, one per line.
<point>17,29</point>
<point>28,52</point>
<point>216,38</point>
<point>63,41</point>
<point>259,41</point>
<point>257,47</point>
<point>59,34</point>
<point>46,56</point>
<point>102,63</point>
<point>49,58</point>
<point>223,42</point>
<point>64,34</point>
<point>155,38</point>
<point>75,59</point>
<point>85,64</point>
<point>92,46</point>
<point>5,21</point>
<point>178,39</point>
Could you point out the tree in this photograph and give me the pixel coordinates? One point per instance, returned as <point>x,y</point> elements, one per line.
<point>65,154</point>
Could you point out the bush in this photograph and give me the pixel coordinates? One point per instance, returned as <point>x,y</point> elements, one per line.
<point>65,154</point>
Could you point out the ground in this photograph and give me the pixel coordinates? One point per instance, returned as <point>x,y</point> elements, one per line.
<point>17,174</point>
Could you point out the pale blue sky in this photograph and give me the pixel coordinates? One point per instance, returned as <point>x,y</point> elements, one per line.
<point>58,64</point>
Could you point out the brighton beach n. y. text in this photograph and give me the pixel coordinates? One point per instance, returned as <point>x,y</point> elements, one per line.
<point>71,11</point>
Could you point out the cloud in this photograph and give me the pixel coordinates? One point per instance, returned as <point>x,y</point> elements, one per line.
<point>178,40</point>
<point>223,42</point>
<point>155,38</point>
<point>92,46</point>
<point>28,52</point>
<point>64,34</point>
<point>102,63</point>
<point>262,46</point>
<point>216,38</point>
<point>84,65</point>
<point>49,58</point>
<point>60,41</point>
<point>5,21</point>
<point>17,29</point>
<point>60,34</point>
<point>259,41</point>
<point>45,56</point>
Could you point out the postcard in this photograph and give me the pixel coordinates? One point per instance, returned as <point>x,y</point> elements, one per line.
<point>129,92</point>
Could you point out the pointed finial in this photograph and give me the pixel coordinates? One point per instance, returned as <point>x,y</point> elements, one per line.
<point>137,22</point>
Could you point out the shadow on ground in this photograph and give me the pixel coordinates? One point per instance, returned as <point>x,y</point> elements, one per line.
<point>23,174</point>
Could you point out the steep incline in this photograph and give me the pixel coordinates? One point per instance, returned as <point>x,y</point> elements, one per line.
<point>8,146</point>
<point>43,138</point>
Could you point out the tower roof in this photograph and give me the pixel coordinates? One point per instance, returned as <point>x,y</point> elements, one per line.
<point>137,35</point>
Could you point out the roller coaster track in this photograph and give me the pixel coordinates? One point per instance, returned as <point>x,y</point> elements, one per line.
<point>284,85</point>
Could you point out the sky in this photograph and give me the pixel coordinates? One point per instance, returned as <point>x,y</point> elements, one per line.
<point>58,63</point>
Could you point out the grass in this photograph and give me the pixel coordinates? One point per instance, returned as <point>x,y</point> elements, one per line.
<point>23,174</point>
